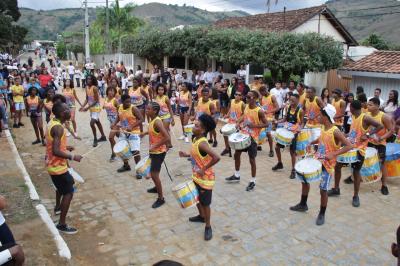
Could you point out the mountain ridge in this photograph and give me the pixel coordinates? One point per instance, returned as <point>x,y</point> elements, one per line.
<point>360,17</point>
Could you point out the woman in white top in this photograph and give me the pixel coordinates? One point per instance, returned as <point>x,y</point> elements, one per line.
<point>9,250</point>
<point>392,103</point>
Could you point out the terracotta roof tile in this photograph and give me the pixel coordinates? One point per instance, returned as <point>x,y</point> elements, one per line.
<point>379,61</point>
<point>284,21</point>
<point>278,21</point>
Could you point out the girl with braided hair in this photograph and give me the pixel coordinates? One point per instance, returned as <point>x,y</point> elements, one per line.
<point>203,157</point>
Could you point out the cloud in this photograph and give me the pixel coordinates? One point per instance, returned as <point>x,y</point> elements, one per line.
<point>251,6</point>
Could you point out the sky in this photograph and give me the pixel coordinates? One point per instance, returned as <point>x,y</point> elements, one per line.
<point>250,6</point>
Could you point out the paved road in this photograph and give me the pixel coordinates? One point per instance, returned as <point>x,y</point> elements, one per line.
<point>116,221</point>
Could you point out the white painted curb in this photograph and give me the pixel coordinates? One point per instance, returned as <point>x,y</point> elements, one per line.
<point>28,182</point>
<point>62,247</point>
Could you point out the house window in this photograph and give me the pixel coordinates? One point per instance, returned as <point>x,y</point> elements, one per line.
<point>177,62</point>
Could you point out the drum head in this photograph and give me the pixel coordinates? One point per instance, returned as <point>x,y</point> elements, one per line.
<point>228,127</point>
<point>285,133</point>
<point>370,152</point>
<point>141,162</point>
<point>181,185</point>
<point>120,146</point>
<point>308,165</point>
<point>238,137</point>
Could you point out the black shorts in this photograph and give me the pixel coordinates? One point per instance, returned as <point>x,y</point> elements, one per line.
<point>292,146</point>
<point>183,110</point>
<point>64,183</point>
<point>357,166</point>
<point>381,151</point>
<point>251,150</point>
<point>7,246</point>
<point>6,236</point>
<point>205,195</point>
<point>156,161</point>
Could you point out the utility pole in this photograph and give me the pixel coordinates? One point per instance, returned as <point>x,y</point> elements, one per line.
<point>87,46</point>
<point>107,29</point>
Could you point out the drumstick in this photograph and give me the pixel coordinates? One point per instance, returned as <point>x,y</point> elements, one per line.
<point>90,151</point>
<point>166,168</point>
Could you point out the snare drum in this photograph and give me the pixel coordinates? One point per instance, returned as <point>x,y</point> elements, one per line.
<point>392,151</point>
<point>123,150</point>
<point>188,129</point>
<point>142,168</point>
<point>315,133</point>
<point>348,157</point>
<point>392,168</point>
<point>239,141</point>
<point>284,136</point>
<point>308,170</point>
<point>186,194</point>
<point>228,129</point>
<point>303,139</point>
<point>392,160</point>
<point>370,171</point>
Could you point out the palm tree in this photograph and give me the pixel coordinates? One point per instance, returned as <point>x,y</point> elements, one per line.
<point>122,23</point>
<point>125,22</point>
<point>269,4</point>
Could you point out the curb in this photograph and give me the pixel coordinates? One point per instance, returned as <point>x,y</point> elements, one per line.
<point>62,247</point>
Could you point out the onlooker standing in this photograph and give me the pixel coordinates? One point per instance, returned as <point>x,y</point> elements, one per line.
<point>18,100</point>
<point>377,94</point>
<point>71,72</point>
<point>78,76</point>
<point>139,72</point>
<point>44,78</point>
<point>9,250</point>
<point>165,76</point>
<point>392,103</point>
<point>279,95</point>
<point>241,73</point>
<point>325,97</point>
<point>209,76</point>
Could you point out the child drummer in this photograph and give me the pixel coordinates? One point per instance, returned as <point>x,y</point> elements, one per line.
<point>362,127</point>
<point>158,139</point>
<point>203,158</point>
<point>270,106</point>
<point>130,120</point>
<point>236,110</point>
<point>379,140</point>
<point>253,122</point>
<point>294,118</point>
<point>329,144</point>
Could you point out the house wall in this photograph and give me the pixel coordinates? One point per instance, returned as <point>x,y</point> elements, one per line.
<point>325,27</point>
<point>370,84</point>
<point>316,79</point>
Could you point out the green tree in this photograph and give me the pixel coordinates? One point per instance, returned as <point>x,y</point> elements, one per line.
<point>61,49</point>
<point>11,35</point>
<point>284,54</point>
<point>376,41</point>
<point>75,48</point>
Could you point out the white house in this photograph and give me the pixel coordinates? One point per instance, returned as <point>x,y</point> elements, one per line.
<point>381,70</point>
<point>317,19</point>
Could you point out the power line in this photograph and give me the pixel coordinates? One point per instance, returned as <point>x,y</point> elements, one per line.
<point>368,8</point>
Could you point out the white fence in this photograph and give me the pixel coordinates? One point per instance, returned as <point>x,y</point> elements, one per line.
<point>130,60</point>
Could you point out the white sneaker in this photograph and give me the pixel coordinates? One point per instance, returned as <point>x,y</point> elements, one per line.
<point>181,137</point>
<point>186,139</point>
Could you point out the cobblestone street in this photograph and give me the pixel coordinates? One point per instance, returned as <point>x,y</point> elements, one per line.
<point>117,224</point>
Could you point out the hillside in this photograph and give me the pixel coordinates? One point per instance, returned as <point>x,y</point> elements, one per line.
<point>361,23</point>
<point>47,24</point>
